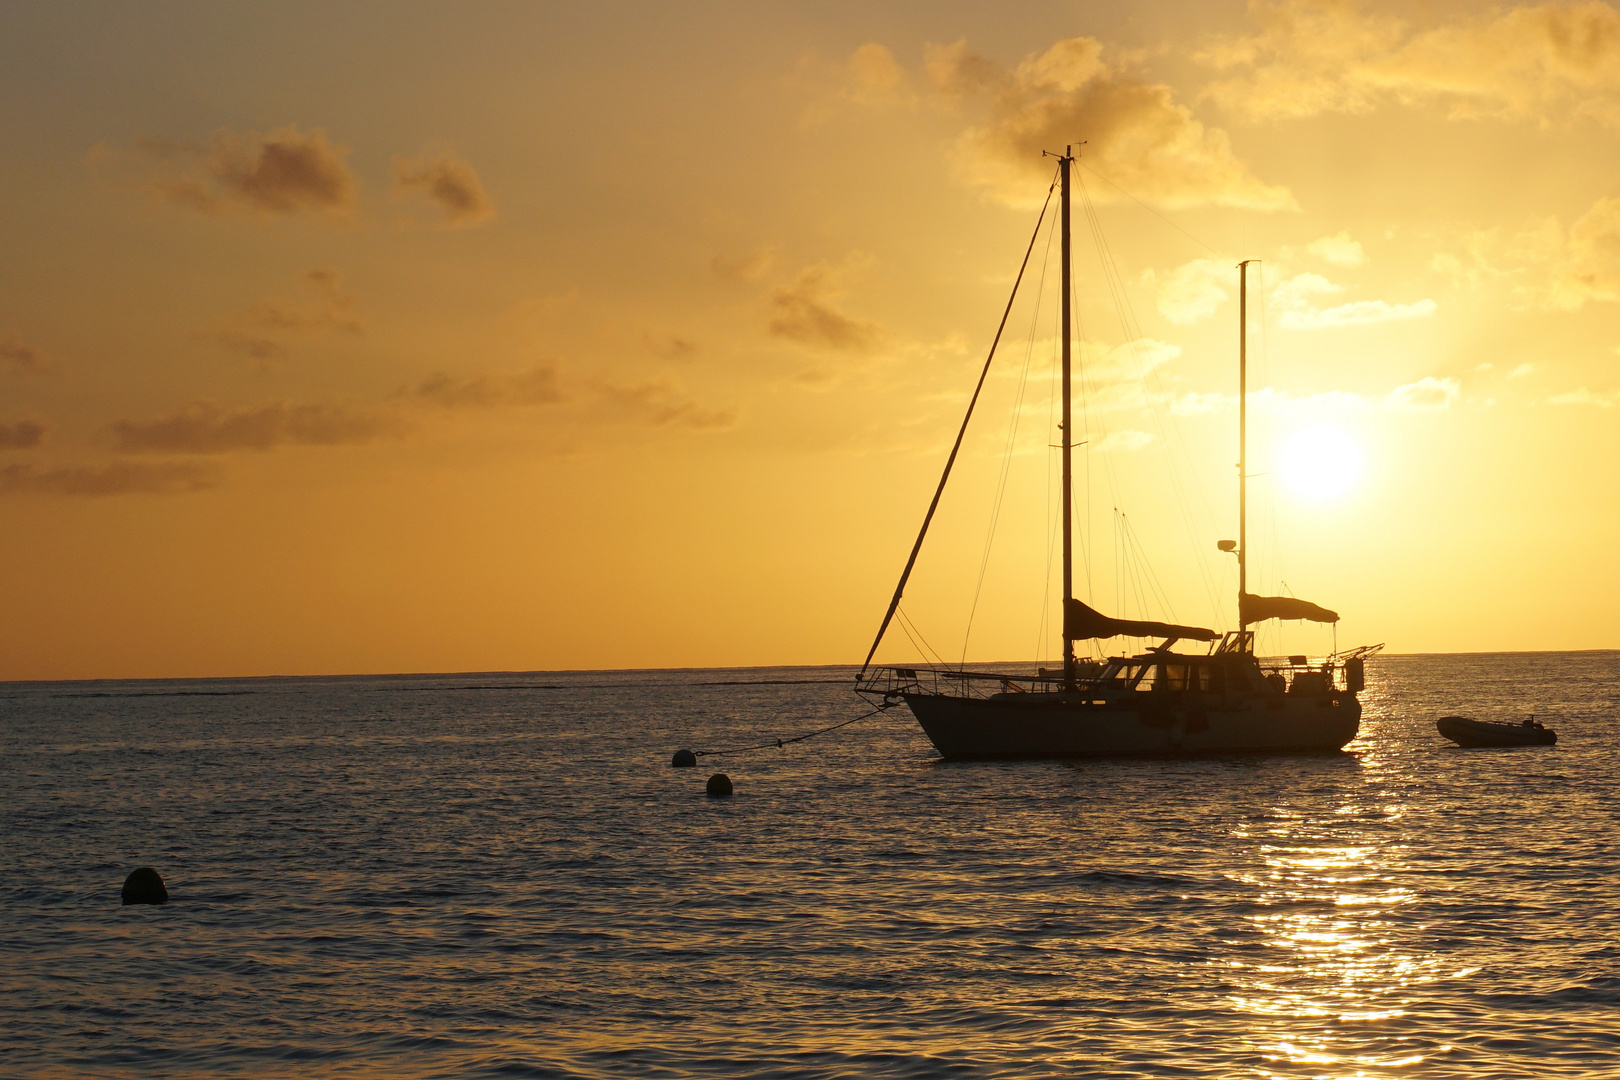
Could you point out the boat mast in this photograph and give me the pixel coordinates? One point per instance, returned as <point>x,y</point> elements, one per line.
<point>1243,436</point>
<point>1064,164</point>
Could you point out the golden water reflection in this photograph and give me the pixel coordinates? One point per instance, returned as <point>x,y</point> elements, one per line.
<point>1329,969</point>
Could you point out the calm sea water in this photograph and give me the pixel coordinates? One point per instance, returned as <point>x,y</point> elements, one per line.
<point>501,876</point>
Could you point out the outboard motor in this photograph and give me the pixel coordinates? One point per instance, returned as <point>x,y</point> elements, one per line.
<point>1355,675</point>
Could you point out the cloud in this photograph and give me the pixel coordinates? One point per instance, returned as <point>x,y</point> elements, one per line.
<point>872,73</point>
<point>1294,300</point>
<point>744,268</point>
<point>1359,311</point>
<point>670,347</point>
<point>286,171</point>
<point>1548,62</point>
<point>1583,396</point>
<point>1521,371</point>
<point>327,309</point>
<point>1129,362</point>
<point>660,404</point>
<point>205,428</point>
<point>804,312</point>
<point>1282,403</point>
<point>1136,134</point>
<point>1588,267</point>
<point>955,71</point>
<point>656,404</point>
<point>448,181</point>
<point>23,435</point>
<point>1193,291</point>
<point>1427,393</point>
<point>1338,249</point>
<point>1125,441</point>
<point>118,478</point>
<point>1544,264</point>
<point>537,385</point>
<point>1193,403</point>
<point>19,354</point>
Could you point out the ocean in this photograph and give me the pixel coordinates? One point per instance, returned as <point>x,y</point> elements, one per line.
<point>502,876</point>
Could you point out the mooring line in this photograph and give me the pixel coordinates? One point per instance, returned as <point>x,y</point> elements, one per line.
<point>779,743</point>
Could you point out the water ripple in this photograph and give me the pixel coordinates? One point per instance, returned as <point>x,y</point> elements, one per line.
<point>478,879</point>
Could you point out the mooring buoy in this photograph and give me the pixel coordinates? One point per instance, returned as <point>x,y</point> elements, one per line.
<point>684,759</point>
<point>719,786</point>
<point>145,886</point>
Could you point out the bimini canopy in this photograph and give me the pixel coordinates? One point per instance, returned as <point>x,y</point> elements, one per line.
<point>1252,608</point>
<point>1080,621</point>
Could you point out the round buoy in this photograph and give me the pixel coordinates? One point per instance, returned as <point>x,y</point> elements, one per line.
<point>719,786</point>
<point>144,886</point>
<point>684,759</point>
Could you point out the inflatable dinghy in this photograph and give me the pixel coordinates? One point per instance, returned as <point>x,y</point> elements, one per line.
<point>1474,733</point>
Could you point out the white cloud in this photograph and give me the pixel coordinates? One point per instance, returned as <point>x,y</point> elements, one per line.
<point>1193,291</point>
<point>1361,311</point>
<point>1135,132</point>
<point>1125,441</point>
<point>1193,403</point>
<point>1338,249</point>
<point>1548,62</point>
<point>1583,396</point>
<point>873,74</point>
<point>1521,371</point>
<point>1427,393</point>
<point>1544,264</point>
<point>1129,362</point>
<point>1294,301</point>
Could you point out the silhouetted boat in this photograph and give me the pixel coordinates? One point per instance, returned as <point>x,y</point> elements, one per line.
<point>1162,701</point>
<point>1480,733</point>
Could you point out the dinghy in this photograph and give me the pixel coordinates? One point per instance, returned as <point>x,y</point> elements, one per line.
<point>1475,733</point>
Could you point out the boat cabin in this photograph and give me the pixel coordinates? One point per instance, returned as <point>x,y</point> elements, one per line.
<point>1231,668</point>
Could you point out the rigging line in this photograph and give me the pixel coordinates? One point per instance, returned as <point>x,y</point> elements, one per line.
<point>1133,574</point>
<point>1132,330</point>
<point>914,643</point>
<point>1154,393</point>
<point>1054,518</point>
<point>779,743</point>
<point>1146,207</point>
<point>907,620</point>
<point>1042,631</point>
<point>1042,628</point>
<point>928,518</point>
<point>1109,471</point>
<point>1274,556</point>
<point>1007,454</point>
<point>1155,585</point>
<point>1084,526</point>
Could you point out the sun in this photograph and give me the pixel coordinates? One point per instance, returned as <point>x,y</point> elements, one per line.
<point>1320,462</point>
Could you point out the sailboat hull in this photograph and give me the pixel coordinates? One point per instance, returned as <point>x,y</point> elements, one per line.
<point>1025,726</point>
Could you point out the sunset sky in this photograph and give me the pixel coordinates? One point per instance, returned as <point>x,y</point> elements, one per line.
<point>412,337</point>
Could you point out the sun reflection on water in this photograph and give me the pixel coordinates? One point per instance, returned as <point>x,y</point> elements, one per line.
<point>1332,969</point>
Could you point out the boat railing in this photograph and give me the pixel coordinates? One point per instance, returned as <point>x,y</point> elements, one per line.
<point>1306,673</point>
<point>950,682</point>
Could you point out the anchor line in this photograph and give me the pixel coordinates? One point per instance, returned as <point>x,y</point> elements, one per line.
<point>778,743</point>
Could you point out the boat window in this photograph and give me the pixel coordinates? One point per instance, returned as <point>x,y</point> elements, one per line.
<point>1175,676</point>
<point>1152,677</point>
<point>1125,676</point>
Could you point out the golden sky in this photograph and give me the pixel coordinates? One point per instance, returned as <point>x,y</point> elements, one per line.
<point>416,337</point>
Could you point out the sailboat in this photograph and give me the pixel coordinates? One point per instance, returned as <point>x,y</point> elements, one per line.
<point>1167,700</point>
